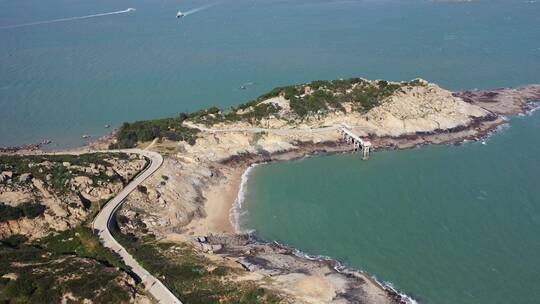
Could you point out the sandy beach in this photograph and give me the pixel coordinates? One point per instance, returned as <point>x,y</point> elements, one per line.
<point>220,199</point>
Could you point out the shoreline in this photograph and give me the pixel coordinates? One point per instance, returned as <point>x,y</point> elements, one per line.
<point>488,129</point>
<point>235,217</point>
<point>201,188</point>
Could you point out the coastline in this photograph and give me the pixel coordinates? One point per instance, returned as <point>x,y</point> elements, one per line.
<point>235,212</point>
<point>196,198</point>
<point>484,129</point>
<point>235,217</point>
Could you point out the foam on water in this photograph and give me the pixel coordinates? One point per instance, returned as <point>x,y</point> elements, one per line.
<point>236,212</point>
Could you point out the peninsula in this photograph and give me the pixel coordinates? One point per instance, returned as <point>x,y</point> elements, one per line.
<point>180,224</point>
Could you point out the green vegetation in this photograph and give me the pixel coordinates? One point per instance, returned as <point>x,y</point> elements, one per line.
<point>321,97</point>
<point>191,277</point>
<point>29,210</point>
<point>142,189</point>
<point>69,266</point>
<point>325,95</point>
<point>81,242</point>
<point>70,262</point>
<point>14,240</point>
<point>130,134</point>
<point>50,168</point>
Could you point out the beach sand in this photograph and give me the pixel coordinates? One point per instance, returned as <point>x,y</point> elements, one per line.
<point>220,199</point>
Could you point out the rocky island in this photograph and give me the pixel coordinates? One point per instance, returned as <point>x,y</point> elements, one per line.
<point>181,223</point>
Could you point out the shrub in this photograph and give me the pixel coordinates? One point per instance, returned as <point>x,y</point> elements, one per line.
<point>15,240</point>
<point>29,210</point>
<point>130,134</point>
<point>142,189</point>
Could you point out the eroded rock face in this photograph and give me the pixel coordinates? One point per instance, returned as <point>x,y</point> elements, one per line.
<point>422,109</point>
<point>504,100</point>
<point>181,198</point>
<point>173,198</point>
<point>67,197</point>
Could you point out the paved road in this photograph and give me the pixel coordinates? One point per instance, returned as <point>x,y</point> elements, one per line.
<point>103,220</point>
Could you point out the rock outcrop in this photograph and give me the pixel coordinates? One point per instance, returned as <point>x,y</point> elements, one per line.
<point>192,193</point>
<point>67,195</point>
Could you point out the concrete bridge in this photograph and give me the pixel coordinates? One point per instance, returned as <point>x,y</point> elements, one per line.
<point>360,144</point>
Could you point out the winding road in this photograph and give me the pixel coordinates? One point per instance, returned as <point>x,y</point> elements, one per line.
<point>103,220</point>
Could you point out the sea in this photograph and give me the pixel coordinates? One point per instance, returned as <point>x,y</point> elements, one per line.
<point>444,224</point>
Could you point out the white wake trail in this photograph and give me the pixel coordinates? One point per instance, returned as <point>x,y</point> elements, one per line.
<point>67,19</point>
<point>195,10</point>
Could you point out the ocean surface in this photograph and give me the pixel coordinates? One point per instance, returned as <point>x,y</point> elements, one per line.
<point>444,224</point>
<point>64,79</point>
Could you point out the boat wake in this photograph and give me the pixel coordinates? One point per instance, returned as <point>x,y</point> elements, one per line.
<point>196,10</point>
<point>67,19</point>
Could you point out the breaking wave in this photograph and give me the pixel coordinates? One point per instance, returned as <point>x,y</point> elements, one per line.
<point>236,212</point>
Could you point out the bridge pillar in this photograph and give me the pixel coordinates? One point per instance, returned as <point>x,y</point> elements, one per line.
<point>365,151</point>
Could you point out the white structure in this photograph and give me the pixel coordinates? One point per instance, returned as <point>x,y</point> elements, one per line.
<point>359,143</point>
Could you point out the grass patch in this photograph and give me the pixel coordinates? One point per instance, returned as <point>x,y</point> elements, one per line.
<point>191,277</point>
<point>81,242</point>
<point>71,262</point>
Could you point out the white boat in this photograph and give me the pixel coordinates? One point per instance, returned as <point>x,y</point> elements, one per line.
<point>179,14</point>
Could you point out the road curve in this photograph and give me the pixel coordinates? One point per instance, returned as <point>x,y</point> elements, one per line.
<point>102,222</point>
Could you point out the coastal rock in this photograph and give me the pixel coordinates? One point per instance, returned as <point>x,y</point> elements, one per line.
<point>66,205</point>
<point>25,177</point>
<point>82,182</point>
<point>5,176</point>
<point>204,179</point>
<point>504,100</point>
<point>421,109</point>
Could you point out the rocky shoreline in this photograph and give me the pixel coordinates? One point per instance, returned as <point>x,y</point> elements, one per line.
<point>189,199</point>
<point>244,248</point>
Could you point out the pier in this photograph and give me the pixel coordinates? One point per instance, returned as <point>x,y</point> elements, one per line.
<point>360,144</point>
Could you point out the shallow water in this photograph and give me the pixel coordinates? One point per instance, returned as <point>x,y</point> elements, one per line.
<point>446,224</point>
<point>65,79</point>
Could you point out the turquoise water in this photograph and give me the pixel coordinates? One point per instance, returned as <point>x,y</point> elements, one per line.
<point>62,80</point>
<point>446,224</point>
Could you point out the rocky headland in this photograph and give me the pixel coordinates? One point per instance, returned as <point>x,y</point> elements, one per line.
<point>189,200</point>
<point>181,223</point>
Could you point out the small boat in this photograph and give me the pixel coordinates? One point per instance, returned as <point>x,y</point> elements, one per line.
<point>179,14</point>
<point>85,136</point>
<point>107,126</point>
